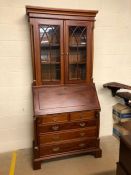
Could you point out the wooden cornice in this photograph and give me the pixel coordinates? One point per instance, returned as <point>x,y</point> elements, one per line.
<point>55,11</point>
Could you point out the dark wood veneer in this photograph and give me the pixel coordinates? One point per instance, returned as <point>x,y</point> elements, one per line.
<point>65,99</point>
<point>70,145</point>
<point>124,164</point>
<point>66,106</point>
<point>59,126</point>
<point>67,135</point>
<point>55,11</point>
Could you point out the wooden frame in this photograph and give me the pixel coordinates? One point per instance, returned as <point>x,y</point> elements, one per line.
<point>65,109</point>
<point>38,15</point>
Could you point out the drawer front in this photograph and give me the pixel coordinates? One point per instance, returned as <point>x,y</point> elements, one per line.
<point>53,118</point>
<point>51,149</point>
<point>42,128</point>
<point>82,115</point>
<point>73,134</point>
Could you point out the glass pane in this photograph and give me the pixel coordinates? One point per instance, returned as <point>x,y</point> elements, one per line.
<point>77,52</point>
<point>50,52</point>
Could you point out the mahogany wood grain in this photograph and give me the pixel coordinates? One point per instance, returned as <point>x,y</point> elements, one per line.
<point>64,18</point>
<point>54,118</point>
<point>90,52</point>
<point>43,128</point>
<point>67,135</point>
<point>55,11</point>
<point>65,99</point>
<point>59,17</point>
<point>66,146</point>
<point>66,112</point>
<point>33,52</point>
<point>82,115</point>
<point>77,23</point>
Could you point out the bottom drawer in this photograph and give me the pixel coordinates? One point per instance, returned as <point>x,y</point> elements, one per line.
<point>50,149</point>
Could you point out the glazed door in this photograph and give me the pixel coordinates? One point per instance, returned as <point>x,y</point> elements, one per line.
<point>77,51</point>
<point>50,51</point>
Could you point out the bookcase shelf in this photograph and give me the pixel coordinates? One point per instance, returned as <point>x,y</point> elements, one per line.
<point>45,62</point>
<point>78,46</point>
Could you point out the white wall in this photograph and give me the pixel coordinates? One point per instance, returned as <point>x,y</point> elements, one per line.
<point>112,62</point>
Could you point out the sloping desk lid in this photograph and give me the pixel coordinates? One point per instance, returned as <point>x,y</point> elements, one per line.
<point>69,98</point>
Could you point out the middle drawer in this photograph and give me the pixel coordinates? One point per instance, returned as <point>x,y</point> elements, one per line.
<point>72,134</point>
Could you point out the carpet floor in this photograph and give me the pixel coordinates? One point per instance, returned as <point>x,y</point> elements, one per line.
<point>81,165</point>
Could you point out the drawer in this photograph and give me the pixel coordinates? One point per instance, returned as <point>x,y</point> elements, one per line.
<point>43,128</point>
<point>53,118</point>
<point>73,134</point>
<point>82,115</point>
<point>67,146</point>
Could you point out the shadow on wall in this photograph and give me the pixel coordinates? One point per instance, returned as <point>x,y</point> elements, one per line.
<point>106,173</point>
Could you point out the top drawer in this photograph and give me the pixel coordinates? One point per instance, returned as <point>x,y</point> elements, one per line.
<point>53,118</point>
<point>82,115</point>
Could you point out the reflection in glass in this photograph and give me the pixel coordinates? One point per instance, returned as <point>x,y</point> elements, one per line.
<point>77,52</point>
<point>50,52</point>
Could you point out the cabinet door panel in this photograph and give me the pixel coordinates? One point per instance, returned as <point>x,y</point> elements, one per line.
<point>76,38</point>
<point>50,50</point>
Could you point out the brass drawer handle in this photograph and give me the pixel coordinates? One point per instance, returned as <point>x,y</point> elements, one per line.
<point>56,149</point>
<point>54,119</point>
<point>55,127</point>
<point>82,134</point>
<point>82,124</point>
<point>82,145</point>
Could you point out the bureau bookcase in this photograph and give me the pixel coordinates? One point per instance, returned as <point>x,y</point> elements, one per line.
<point>66,106</point>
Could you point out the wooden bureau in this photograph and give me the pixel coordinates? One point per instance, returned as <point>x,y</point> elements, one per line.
<point>66,106</point>
<point>75,130</point>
